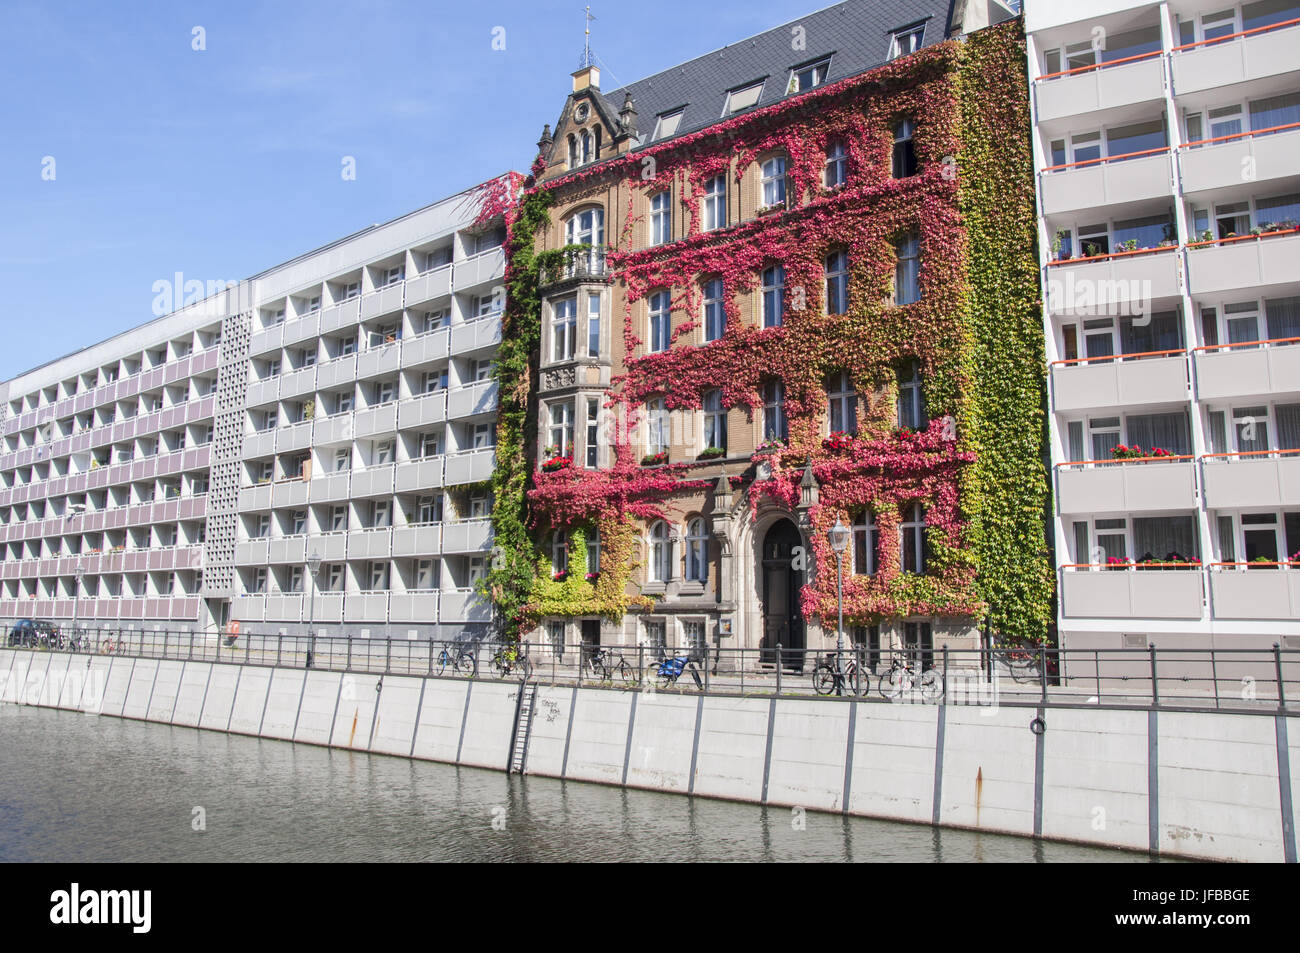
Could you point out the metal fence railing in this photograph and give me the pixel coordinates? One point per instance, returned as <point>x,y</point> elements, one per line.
<point>1259,680</point>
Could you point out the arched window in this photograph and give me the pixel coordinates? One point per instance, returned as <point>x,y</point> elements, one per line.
<point>697,551</point>
<point>837,165</point>
<point>661,553</point>
<point>774,182</point>
<point>573,152</point>
<point>715,313</point>
<point>774,296</point>
<point>865,540</point>
<point>661,219</point>
<point>660,321</point>
<point>837,282</point>
<point>713,207</point>
<point>715,421</point>
<point>586,146</point>
<point>588,228</point>
<point>842,403</point>
<point>912,544</point>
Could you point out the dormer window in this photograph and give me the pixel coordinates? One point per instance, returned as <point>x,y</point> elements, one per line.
<point>667,123</point>
<point>742,98</point>
<point>906,40</point>
<point>806,77</point>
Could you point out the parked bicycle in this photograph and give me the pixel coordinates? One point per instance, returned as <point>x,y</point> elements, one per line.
<point>458,658</point>
<point>606,666</point>
<point>902,678</point>
<point>666,673</point>
<point>508,659</point>
<point>835,672</point>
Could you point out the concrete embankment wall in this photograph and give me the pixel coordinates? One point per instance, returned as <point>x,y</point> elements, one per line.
<point>1214,785</point>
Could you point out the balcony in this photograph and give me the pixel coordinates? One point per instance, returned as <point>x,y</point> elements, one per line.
<point>416,606</point>
<point>330,487</point>
<point>464,605</point>
<point>285,607</point>
<point>255,497</point>
<point>419,474</point>
<point>417,539</point>
<point>297,383</point>
<point>375,543</point>
<point>380,360</point>
<point>470,466</point>
<point>265,391</point>
<point>1218,163</point>
<point>1255,54</point>
<point>428,286</point>
<point>467,536</point>
<point>1123,82</point>
<point>423,410</point>
<point>327,607</point>
<point>1092,593</point>
<point>287,549</point>
<point>1123,282</point>
<point>383,301</point>
<point>332,430</point>
<point>301,329</point>
<point>1167,483</point>
<point>469,400</point>
<point>1127,178</point>
<point>294,437</point>
<point>477,334</point>
<point>249,607</point>
<point>378,420</point>
<point>1238,591</point>
<point>332,547</point>
<point>1251,479</point>
<point>426,348</point>
<point>373,481</point>
<point>340,315</point>
<point>252,552</point>
<point>260,444</point>
<point>266,340</point>
<point>483,267</point>
<point>1157,377</point>
<point>366,607</point>
<point>341,370</point>
<point>1261,368</point>
<point>1246,262</point>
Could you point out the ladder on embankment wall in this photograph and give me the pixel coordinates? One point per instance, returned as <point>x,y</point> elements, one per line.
<point>523,725</point>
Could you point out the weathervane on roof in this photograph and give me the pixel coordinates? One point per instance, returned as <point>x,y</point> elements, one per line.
<point>586,46</point>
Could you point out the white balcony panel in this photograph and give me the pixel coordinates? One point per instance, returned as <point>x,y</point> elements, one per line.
<point>1133,594</point>
<point>422,411</point>
<point>467,536</point>
<point>252,552</point>
<point>336,373</point>
<point>373,481</point>
<point>266,340</point>
<point>294,437</point>
<point>301,329</point>
<point>463,605</point>
<point>425,348</point>
<point>1114,285</point>
<point>419,474</point>
<point>428,286</point>
<point>262,392</point>
<point>339,316</point>
<point>298,383</point>
<point>413,607</point>
<point>284,607</point>
<point>383,301</point>
<point>1123,85</point>
<point>423,539</point>
<point>1152,380</point>
<point>249,608</point>
<point>370,543</point>
<point>327,607</point>
<point>1112,183</point>
<point>288,549</point>
<point>332,547</point>
<point>1131,487</point>
<point>482,268</point>
<point>260,444</point>
<point>1250,264</point>
<point>475,335</point>
<point>1220,165</point>
<point>1235,61</point>
<point>472,466</point>
<point>366,607</point>
<point>330,486</point>
<point>1248,372</point>
<point>332,430</point>
<point>1255,594</point>
<point>479,397</point>
<point>377,361</point>
<point>377,421</point>
<point>255,497</point>
<point>291,493</point>
<point>1252,483</point>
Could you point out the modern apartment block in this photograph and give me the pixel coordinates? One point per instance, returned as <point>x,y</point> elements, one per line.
<point>335,411</point>
<point>754,322</point>
<point>1167,144</point>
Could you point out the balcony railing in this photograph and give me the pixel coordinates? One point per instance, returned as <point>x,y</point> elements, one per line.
<point>1094,67</point>
<point>1267,28</point>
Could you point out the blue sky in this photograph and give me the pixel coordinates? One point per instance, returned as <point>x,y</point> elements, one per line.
<point>222,162</point>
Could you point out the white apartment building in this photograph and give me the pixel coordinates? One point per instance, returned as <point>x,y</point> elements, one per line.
<point>337,410</point>
<point>1167,147</point>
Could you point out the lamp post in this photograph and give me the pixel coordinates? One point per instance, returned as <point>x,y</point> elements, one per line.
<point>313,567</point>
<point>76,595</point>
<point>839,539</point>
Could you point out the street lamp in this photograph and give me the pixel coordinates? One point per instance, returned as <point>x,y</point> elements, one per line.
<point>76,595</point>
<point>313,567</point>
<point>839,539</point>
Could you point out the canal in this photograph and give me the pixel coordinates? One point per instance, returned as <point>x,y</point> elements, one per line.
<point>79,788</point>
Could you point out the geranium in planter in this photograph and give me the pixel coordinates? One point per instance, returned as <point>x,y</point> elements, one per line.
<point>838,440</point>
<point>1122,452</point>
<point>768,447</point>
<point>1117,562</point>
<point>557,463</point>
<point>560,576</point>
<point>655,459</point>
<point>592,577</point>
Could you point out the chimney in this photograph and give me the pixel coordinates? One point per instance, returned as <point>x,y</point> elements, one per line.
<point>627,116</point>
<point>587,76</point>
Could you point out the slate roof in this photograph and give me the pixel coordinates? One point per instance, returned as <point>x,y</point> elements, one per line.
<point>856,34</point>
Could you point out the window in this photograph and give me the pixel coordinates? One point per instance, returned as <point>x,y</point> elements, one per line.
<point>588,228</point>
<point>697,551</point>
<point>342,460</point>
<point>713,207</point>
<point>660,321</point>
<point>334,578</point>
<point>263,527</point>
<point>438,258</point>
<point>906,40</point>
<point>564,329</point>
<point>431,381</point>
<point>351,290</point>
<point>715,315</point>
<point>775,426</point>
<point>559,553</point>
<point>837,282</point>
<point>298,523</point>
<point>667,123</point>
<point>912,543</point>
<point>656,638</point>
<point>393,275</point>
<point>426,574</point>
<point>806,77</point>
<point>866,539</point>
<point>480,504</point>
<point>657,425</point>
<point>661,218</point>
<point>593,430</point>
<point>907,274</point>
<point>430,444</point>
<point>911,397</point>
<point>483,436</point>
<point>259,581</point>
<point>842,403</point>
<point>295,579</point>
<point>345,402</point>
<point>573,152</point>
<point>433,320</point>
<point>904,150</point>
<point>381,514</point>
<point>386,392</point>
<point>561,428</point>
<point>378,577</point>
<point>773,291</point>
<point>383,453</point>
<point>593,550</point>
<point>313,304</point>
<point>429,509</point>
<point>773,181</point>
<point>661,553</point>
<point>715,421</point>
<point>347,346</point>
<point>837,165</point>
<point>593,325</point>
<point>742,98</point>
<point>483,306</point>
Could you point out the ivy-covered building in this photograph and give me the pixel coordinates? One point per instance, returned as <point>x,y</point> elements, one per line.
<point>790,282</point>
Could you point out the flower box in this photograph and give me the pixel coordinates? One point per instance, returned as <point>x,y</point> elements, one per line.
<point>837,441</point>
<point>560,576</point>
<point>769,447</point>
<point>1135,452</point>
<point>712,453</point>
<point>592,576</point>
<point>557,463</point>
<point>655,459</point>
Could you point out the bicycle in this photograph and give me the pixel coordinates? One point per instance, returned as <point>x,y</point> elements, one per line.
<point>603,666</point>
<point>463,661</point>
<point>508,659</point>
<point>901,679</point>
<point>828,677</point>
<point>666,673</point>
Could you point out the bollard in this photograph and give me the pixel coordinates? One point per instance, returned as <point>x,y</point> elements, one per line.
<point>778,668</point>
